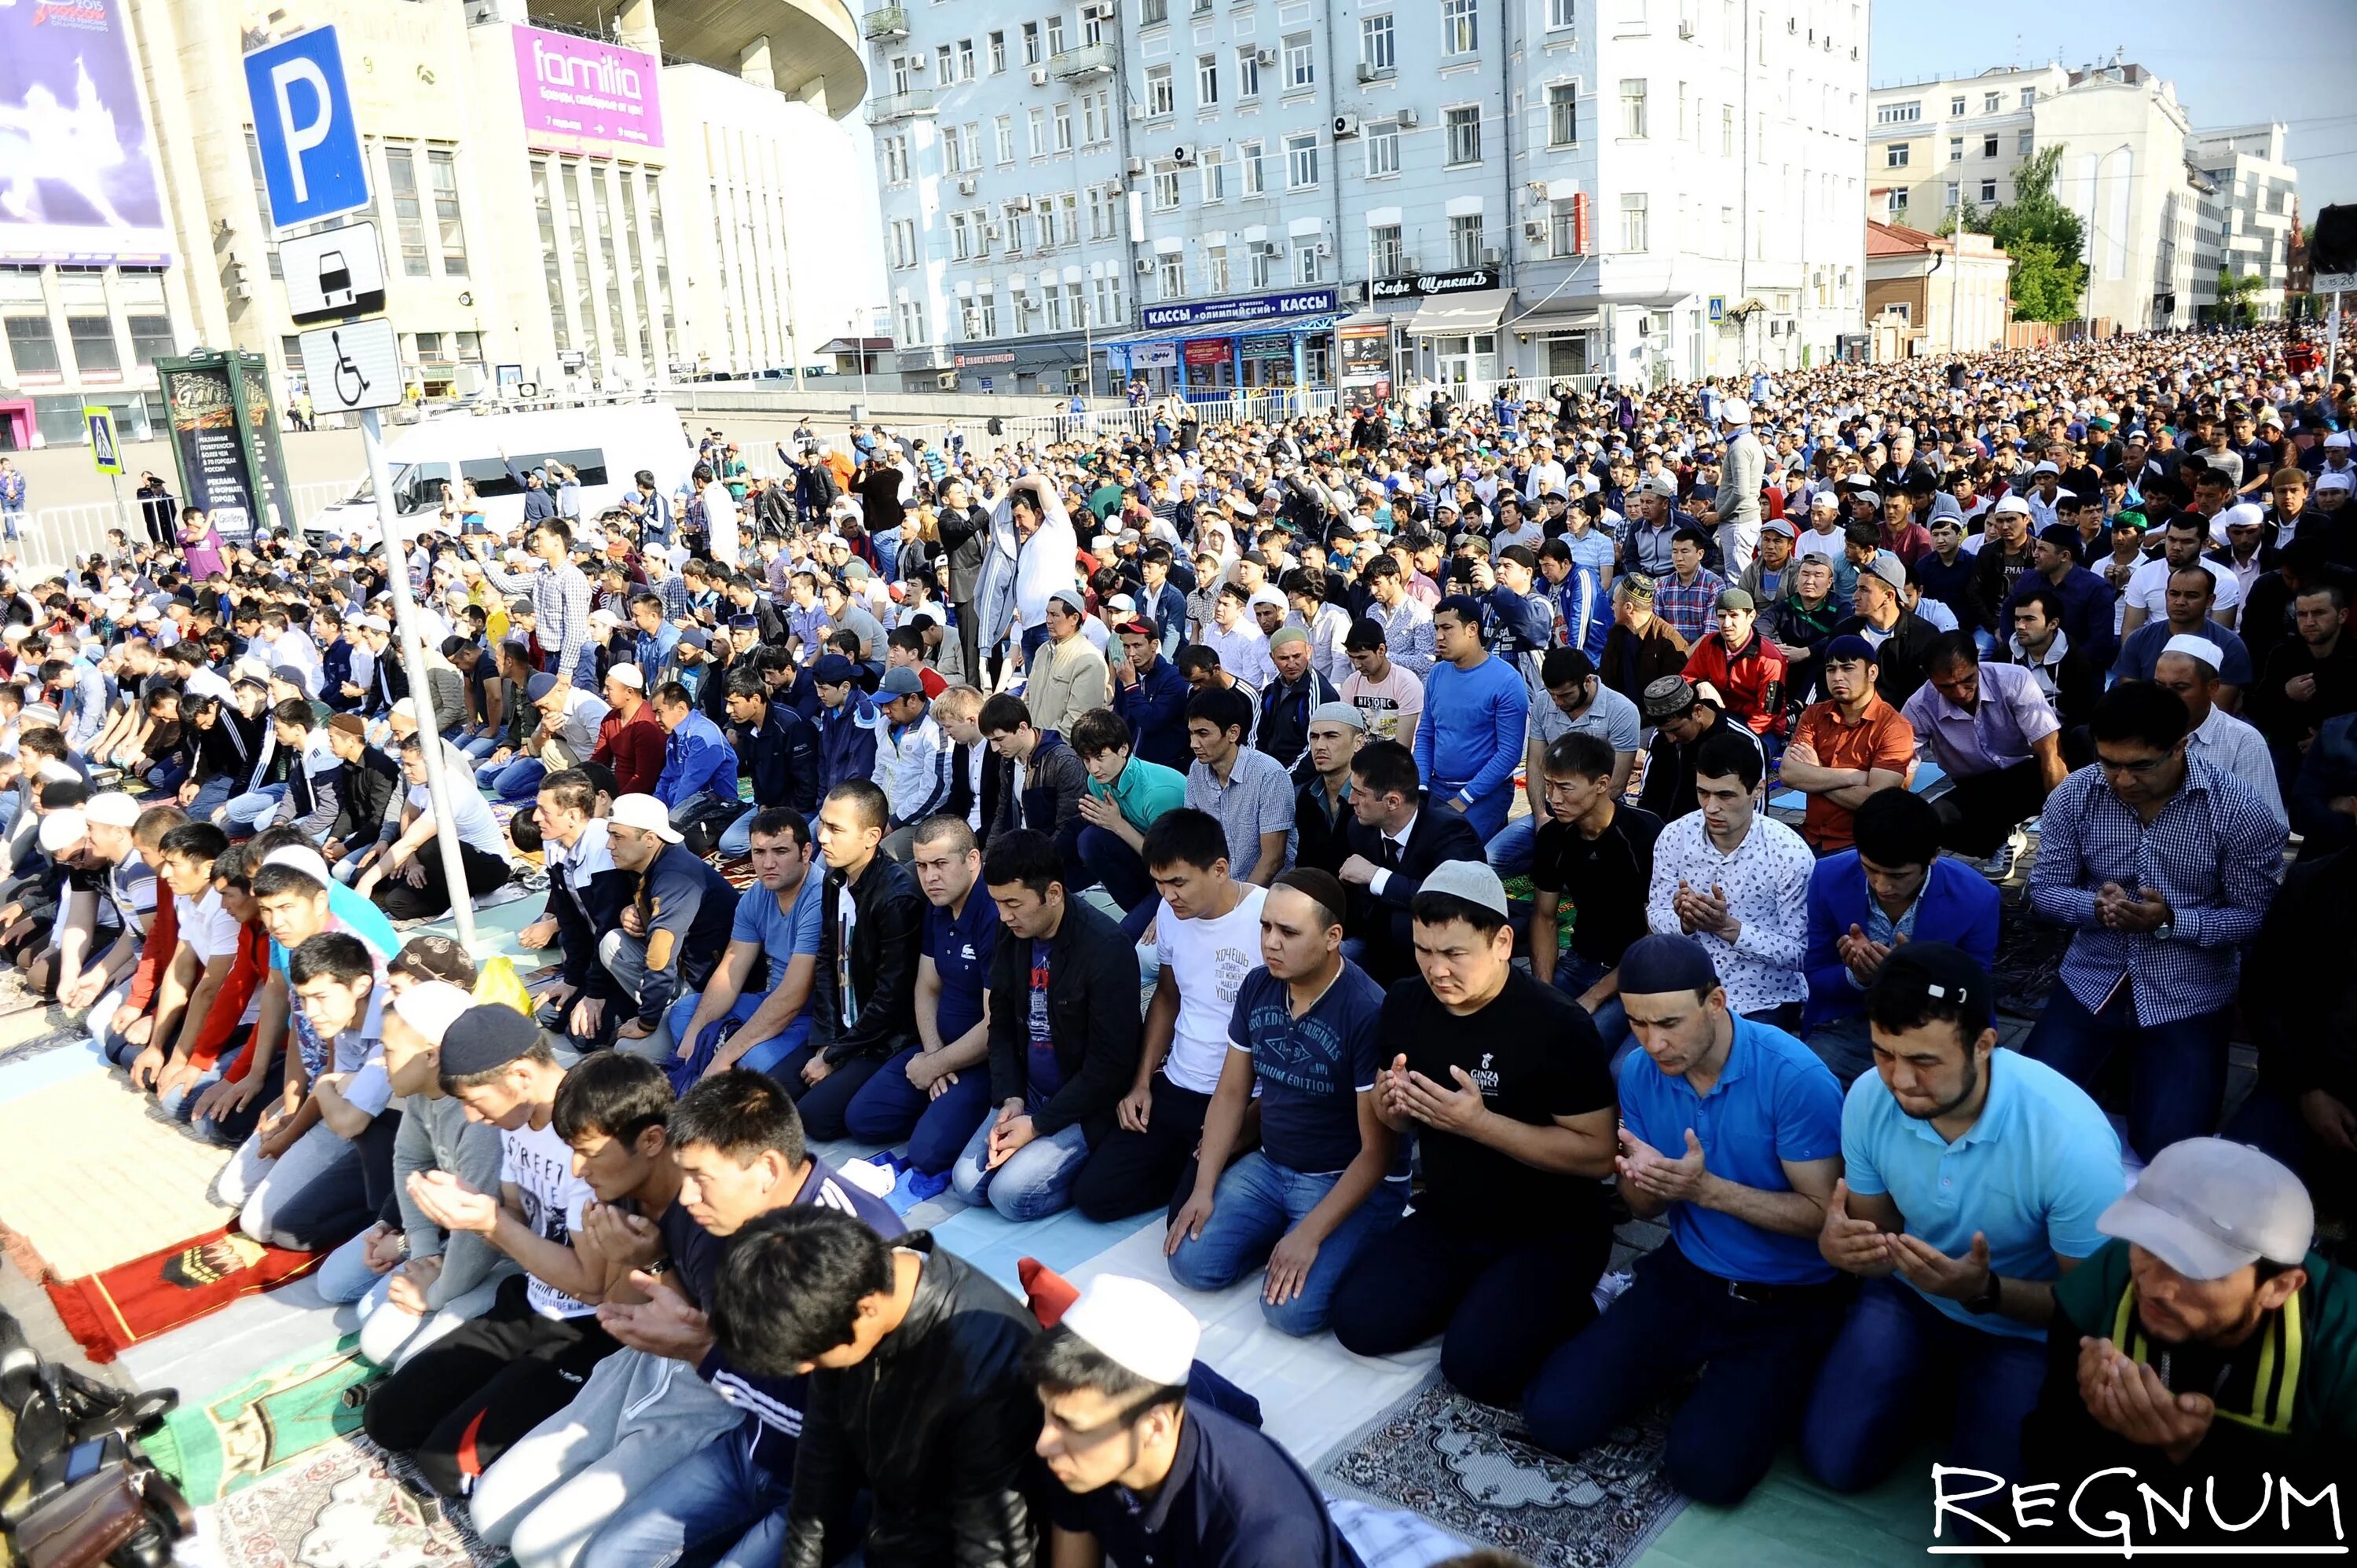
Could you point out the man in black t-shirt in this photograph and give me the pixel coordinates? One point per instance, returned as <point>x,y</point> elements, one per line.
<point>1504,1080</point>
<point>1598,855</point>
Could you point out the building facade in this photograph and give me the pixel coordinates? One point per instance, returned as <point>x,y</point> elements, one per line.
<point>1929,294</point>
<point>558,207</point>
<point>2255,203</point>
<point>1217,194</point>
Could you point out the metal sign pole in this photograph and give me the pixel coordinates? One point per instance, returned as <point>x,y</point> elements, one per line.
<point>114,483</point>
<point>413,654</point>
<point>2333,344</point>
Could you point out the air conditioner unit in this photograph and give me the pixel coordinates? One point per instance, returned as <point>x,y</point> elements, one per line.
<point>1325,248</point>
<point>1685,30</point>
<point>1533,232</point>
<point>1038,76</point>
<point>1018,204</point>
<point>1138,114</point>
<point>918,62</point>
<point>1346,125</point>
<point>1408,267</point>
<point>1136,167</point>
<point>1405,119</point>
<point>965,185</point>
<point>1028,303</point>
<point>1267,57</point>
<point>991,232</point>
<point>1491,255</point>
<point>1374,72</point>
<point>1183,154</point>
<point>1144,265</point>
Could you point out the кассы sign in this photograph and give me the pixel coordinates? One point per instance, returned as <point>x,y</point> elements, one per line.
<point>1418,285</point>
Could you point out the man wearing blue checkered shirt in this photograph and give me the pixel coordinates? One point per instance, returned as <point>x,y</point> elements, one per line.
<point>2164,866</point>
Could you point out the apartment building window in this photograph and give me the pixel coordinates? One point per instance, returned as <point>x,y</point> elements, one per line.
<point>1956,194</point>
<point>1460,27</point>
<point>1562,233</point>
<point>1166,187</point>
<point>662,248</point>
<point>944,68</point>
<point>989,303</point>
<point>93,344</point>
<point>901,233</point>
<point>969,319</point>
<point>1049,224</point>
<point>1055,301</point>
<point>1988,191</point>
<point>980,218</point>
<point>1153,12</point>
<point>902,69</point>
<point>1897,201</point>
<point>1207,80</point>
<point>551,269</point>
<point>408,215</point>
<point>1102,204</point>
<point>1562,14</point>
<point>1012,220</point>
<point>1264,260</point>
<point>1988,146</point>
<point>1465,241</point>
<point>1031,43</point>
<point>1172,275</point>
<point>1055,37</point>
<point>1682,113</point>
<point>1375,43</point>
<point>966,59</point>
<point>1215,176</point>
<point>1635,232</point>
<point>1956,105</point>
<point>1215,268</point>
<point>1383,150</point>
<point>1036,122</point>
<point>1248,158</point>
<point>585,300</point>
<point>1112,310</point>
<point>1301,63</point>
<point>1955,149</point>
<point>1304,260</point>
<point>442,171</point>
<point>1905,113</point>
<point>1726,130</point>
<point>894,150</point>
<point>1061,116</point>
<point>953,151</point>
<point>33,346</point>
<point>1160,98</point>
<point>997,52</point>
<point>909,322</point>
<point>1897,155</point>
<point>1076,302</point>
<point>151,339</point>
<point>1301,162</point>
<point>2024,143</point>
<point>1464,135</point>
<point>960,238</point>
<point>1384,255</point>
<point>1069,204</point>
<point>2029,97</point>
<point>1632,108</point>
<point>1990,100</point>
<point>1096,118</point>
<point>1248,73</point>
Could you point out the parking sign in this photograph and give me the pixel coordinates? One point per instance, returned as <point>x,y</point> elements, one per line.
<point>303,122</point>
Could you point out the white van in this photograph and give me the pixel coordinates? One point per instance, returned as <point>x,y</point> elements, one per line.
<point>608,445</point>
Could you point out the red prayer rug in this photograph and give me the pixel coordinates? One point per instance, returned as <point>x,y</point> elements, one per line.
<point>112,1310</point>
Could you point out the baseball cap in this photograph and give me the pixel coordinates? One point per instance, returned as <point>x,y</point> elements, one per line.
<point>2207,1207</point>
<point>900,682</point>
<point>645,813</point>
<point>832,670</point>
<point>2008,506</point>
<point>1778,525</point>
<point>1471,880</point>
<point>1137,1326</point>
<point>1888,567</point>
<point>488,1035</point>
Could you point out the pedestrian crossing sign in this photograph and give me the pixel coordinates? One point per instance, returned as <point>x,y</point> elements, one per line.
<point>104,449</point>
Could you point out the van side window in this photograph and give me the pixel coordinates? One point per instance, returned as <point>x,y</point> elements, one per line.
<point>491,480</point>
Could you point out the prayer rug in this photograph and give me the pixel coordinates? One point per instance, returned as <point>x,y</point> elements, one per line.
<point>107,1313</point>
<point>95,1177</point>
<point>1473,1469</point>
<point>346,1505</point>
<point>231,1439</point>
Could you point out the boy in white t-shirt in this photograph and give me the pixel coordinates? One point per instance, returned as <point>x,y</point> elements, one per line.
<point>1207,935</point>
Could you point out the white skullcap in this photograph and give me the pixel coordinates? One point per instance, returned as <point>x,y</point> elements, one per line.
<point>407,708</point>
<point>429,1007</point>
<point>296,857</point>
<point>1137,1326</point>
<point>114,809</point>
<point>61,831</point>
<point>2194,647</point>
<point>2336,480</point>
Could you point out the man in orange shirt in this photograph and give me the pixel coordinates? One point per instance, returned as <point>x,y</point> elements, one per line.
<point>1845,748</point>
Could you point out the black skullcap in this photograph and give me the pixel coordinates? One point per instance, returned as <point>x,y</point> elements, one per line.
<point>1652,966</point>
<point>483,1037</point>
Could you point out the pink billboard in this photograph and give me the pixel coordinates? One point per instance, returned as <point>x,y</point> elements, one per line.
<point>585,90</point>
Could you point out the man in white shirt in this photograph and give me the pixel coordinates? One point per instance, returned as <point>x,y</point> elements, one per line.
<point>2147,595</point>
<point>2188,667</point>
<point>1207,938</point>
<point>1737,883</point>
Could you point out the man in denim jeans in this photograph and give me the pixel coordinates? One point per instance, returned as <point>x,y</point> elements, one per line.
<point>1063,1032</point>
<point>1329,1176</point>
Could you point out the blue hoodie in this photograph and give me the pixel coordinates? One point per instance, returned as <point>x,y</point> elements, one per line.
<point>846,740</point>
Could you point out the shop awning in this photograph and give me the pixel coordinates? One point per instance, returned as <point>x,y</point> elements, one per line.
<point>1559,320</point>
<point>1226,329</point>
<point>1458,313</point>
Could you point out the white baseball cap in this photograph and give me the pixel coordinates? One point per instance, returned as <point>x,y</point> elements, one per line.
<point>2209,1208</point>
<point>645,813</point>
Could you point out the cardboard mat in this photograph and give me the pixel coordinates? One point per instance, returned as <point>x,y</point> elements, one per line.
<point>94,1177</point>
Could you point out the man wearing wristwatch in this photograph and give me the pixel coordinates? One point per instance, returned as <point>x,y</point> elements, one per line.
<point>1974,1180</point>
<point>2164,865</point>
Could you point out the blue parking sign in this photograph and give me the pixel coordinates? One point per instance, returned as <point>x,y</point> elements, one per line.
<point>303,121</point>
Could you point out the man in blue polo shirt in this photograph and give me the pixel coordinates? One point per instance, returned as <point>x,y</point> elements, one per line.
<point>730,1022</point>
<point>1732,1130</point>
<point>1329,1176</point>
<point>935,1093</point>
<point>1974,1180</point>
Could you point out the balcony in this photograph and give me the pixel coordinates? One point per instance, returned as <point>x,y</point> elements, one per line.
<point>917,104</point>
<point>884,25</point>
<point>1083,63</point>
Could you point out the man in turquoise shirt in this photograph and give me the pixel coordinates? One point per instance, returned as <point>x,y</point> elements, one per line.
<point>1974,1180</point>
<point>1125,796</point>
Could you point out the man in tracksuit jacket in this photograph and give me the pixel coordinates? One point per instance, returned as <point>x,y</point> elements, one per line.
<point>912,758</point>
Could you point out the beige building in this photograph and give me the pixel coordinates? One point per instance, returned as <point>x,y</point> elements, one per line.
<point>555,207</point>
<point>1929,295</point>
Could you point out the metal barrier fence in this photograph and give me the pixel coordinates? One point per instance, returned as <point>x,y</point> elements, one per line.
<point>54,537</point>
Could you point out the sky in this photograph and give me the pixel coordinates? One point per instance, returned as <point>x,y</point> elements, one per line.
<point>2281,60</point>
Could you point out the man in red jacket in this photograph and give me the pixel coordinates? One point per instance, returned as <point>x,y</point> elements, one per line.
<point>630,739</point>
<point>1744,672</point>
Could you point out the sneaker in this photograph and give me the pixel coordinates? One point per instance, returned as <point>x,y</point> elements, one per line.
<point>1610,1287</point>
<point>1999,866</point>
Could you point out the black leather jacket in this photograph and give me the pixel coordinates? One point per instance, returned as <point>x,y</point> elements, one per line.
<point>937,1424</point>
<point>1093,1021</point>
<point>884,943</point>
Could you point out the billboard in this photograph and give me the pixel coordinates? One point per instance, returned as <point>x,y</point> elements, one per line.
<point>78,176</point>
<point>583,91</point>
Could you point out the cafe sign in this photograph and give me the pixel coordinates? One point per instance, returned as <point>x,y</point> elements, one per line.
<point>1421,286</point>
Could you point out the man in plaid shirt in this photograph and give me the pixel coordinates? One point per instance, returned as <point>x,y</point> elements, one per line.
<point>1688,597</point>
<point>560,599</point>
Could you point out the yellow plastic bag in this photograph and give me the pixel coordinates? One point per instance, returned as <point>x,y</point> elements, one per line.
<point>498,981</point>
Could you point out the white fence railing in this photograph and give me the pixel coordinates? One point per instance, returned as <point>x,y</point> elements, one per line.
<point>55,536</point>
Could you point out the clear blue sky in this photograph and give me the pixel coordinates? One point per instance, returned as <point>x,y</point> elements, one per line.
<point>2281,60</point>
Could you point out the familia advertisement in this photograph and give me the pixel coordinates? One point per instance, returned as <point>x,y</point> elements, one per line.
<point>580,92</point>
<point>78,176</point>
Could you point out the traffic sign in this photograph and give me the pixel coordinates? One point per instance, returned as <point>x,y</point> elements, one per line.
<point>302,124</point>
<point>2333,283</point>
<point>357,365</point>
<point>335,276</point>
<point>103,448</point>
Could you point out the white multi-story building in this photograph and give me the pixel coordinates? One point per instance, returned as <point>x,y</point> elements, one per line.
<point>1247,192</point>
<point>2254,193</point>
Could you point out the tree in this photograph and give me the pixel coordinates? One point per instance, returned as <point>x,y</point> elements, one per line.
<point>2046,241</point>
<point>1967,218</point>
<point>2234,295</point>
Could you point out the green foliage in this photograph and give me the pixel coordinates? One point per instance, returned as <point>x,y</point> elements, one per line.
<point>2234,294</point>
<point>1967,218</point>
<point>2046,241</point>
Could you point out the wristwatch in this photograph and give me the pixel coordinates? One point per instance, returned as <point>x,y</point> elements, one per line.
<point>1990,1297</point>
<point>2164,932</point>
